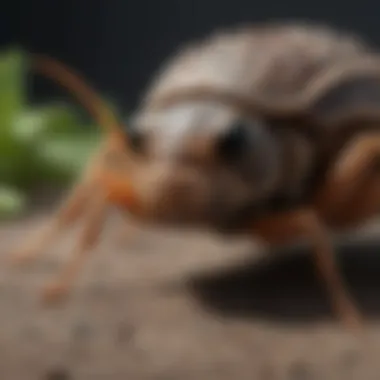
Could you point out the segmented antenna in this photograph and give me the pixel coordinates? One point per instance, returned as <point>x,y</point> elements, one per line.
<point>76,85</point>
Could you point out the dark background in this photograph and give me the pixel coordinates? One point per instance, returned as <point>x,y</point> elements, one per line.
<point>118,44</point>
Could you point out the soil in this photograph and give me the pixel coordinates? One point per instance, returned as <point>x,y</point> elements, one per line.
<point>170,305</point>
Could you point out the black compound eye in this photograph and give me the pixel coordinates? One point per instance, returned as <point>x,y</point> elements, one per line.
<point>136,140</point>
<point>234,142</point>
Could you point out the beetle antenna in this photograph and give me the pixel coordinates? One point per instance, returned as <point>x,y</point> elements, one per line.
<point>87,96</point>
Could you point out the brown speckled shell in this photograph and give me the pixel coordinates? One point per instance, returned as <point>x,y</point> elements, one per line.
<point>268,61</point>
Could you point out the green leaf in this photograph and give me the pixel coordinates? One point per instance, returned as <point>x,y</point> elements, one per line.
<point>12,85</point>
<point>29,126</point>
<point>38,144</point>
<point>61,118</point>
<point>12,158</point>
<point>67,154</point>
<point>12,202</point>
<point>33,124</point>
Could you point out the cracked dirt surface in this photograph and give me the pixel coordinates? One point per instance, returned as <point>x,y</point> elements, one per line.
<point>168,305</point>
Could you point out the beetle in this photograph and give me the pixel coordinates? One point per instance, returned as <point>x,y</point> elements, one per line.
<point>269,130</point>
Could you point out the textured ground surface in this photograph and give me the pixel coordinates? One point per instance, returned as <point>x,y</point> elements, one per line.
<point>185,306</point>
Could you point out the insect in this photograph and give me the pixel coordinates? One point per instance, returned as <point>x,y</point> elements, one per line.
<point>269,131</point>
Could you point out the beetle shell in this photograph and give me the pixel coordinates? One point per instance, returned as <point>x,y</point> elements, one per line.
<point>181,179</point>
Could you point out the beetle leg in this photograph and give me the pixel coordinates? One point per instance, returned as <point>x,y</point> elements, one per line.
<point>94,222</point>
<point>347,176</point>
<point>305,223</point>
<point>364,205</point>
<point>71,210</point>
<point>69,213</point>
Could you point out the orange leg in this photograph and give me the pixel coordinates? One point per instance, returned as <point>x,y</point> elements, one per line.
<point>354,170</point>
<point>70,213</point>
<point>349,196</point>
<point>361,207</point>
<point>278,229</point>
<point>84,201</point>
<point>93,225</point>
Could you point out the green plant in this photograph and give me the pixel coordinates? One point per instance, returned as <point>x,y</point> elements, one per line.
<point>38,144</point>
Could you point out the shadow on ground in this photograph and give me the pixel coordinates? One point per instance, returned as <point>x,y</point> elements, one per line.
<point>286,288</point>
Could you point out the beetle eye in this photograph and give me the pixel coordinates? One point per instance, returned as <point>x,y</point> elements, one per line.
<point>136,140</point>
<point>234,142</point>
